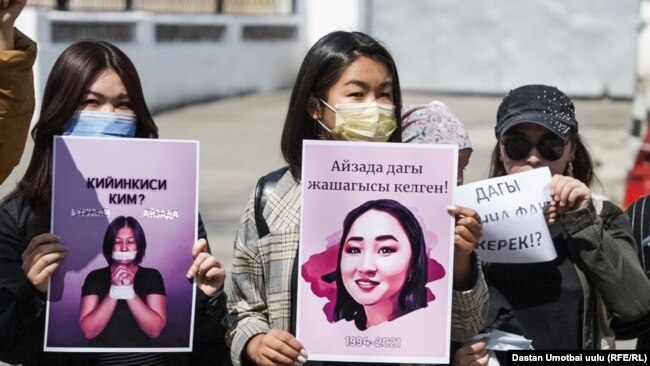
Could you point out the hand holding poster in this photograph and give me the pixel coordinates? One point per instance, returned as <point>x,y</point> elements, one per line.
<point>126,209</point>
<point>512,212</point>
<point>376,251</point>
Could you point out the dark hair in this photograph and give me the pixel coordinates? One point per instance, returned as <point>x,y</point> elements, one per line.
<point>112,230</point>
<point>321,68</point>
<point>76,69</point>
<point>580,168</point>
<point>413,294</point>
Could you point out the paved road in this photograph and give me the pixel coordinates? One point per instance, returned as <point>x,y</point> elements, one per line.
<point>239,140</point>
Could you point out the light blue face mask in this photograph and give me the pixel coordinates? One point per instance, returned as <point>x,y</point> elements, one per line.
<point>101,124</point>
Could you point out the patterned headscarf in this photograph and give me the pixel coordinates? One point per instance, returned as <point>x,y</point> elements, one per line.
<point>433,123</point>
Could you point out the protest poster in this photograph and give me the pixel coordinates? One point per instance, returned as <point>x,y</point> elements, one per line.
<point>383,293</point>
<point>131,203</point>
<point>512,212</point>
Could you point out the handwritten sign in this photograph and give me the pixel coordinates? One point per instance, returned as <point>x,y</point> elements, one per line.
<point>512,212</point>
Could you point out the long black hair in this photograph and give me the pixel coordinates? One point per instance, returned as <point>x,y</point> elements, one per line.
<point>413,294</point>
<point>74,71</point>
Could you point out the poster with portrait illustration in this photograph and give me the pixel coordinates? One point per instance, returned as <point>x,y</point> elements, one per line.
<point>126,209</point>
<point>512,212</point>
<point>376,251</point>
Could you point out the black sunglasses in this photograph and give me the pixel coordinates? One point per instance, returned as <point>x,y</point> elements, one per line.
<point>550,148</point>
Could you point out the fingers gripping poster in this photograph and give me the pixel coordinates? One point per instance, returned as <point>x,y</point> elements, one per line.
<point>376,251</point>
<point>126,209</point>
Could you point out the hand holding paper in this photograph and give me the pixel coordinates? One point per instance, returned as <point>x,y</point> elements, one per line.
<point>277,347</point>
<point>209,271</point>
<point>467,233</point>
<point>468,229</point>
<point>41,258</point>
<point>569,194</point>
<point>472,353</point>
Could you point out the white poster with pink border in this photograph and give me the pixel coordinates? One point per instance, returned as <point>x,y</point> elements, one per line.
<point>376,251</point>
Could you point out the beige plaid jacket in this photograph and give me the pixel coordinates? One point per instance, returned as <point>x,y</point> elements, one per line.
<point>259,297</point>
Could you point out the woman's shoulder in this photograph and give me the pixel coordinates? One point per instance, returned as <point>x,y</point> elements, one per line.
<point>14,203</point>
<point>273,206</point>
<point>277,188</point>
<point>604,207</point>
<point>16,215</point>
<point>277,181</point>
<point>277,197</point>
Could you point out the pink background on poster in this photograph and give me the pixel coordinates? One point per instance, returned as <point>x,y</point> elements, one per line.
<point>424,333</point>
<point>169,242</point>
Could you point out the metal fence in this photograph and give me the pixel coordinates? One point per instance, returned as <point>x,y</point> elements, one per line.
<point>243,7</point>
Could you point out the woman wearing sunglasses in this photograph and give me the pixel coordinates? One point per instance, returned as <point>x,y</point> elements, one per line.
<point>565,303</point>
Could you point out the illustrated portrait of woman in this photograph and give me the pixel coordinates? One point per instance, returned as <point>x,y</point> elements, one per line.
<point>123,304</point>
<point>381,271</point>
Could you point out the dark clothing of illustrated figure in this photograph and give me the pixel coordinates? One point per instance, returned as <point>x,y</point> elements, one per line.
<point>123,330</point>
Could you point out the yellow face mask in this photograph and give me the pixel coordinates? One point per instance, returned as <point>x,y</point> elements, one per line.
<point>363,121</point>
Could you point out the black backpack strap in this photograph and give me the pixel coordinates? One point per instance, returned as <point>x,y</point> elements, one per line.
<point>265,185</point>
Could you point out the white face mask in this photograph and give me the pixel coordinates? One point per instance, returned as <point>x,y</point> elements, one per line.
<point>363,121</point>
<point>124,256</point>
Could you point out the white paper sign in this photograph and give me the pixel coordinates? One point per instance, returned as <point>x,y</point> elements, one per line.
<point>512,212</point>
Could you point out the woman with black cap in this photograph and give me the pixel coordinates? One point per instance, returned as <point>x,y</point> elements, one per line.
<point>566,303</point>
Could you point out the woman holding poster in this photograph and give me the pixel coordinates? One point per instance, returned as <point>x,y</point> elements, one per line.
<point>347,89</point>
<point>565,303</point>
<point>93,89</point>
<point>124,304</point>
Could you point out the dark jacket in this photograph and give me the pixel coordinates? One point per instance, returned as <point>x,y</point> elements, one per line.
<point>614,286</point>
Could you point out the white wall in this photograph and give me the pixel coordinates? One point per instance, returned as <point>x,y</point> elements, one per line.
<point>585,47</point>
<point>324,16</point>
<point>175,73</point>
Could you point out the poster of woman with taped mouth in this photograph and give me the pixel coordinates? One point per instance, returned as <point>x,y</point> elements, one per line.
<point>129,221</point>
<point>123,304</point>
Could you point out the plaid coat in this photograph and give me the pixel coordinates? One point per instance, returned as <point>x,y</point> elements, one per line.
<point>259,297</point>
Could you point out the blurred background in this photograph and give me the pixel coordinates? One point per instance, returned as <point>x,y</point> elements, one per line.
<point>219,71</point>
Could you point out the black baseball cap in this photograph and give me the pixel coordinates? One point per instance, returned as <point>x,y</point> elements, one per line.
<point>544,105</point>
